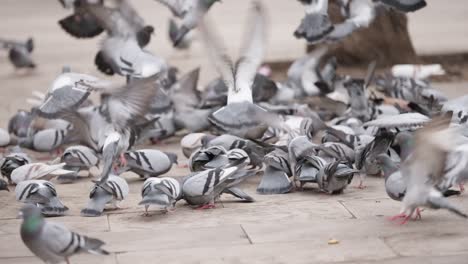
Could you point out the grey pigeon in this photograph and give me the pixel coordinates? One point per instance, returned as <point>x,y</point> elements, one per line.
<point>110,127</point>
<point>405,5</point>
<point>255,151</point>
<point>173,32</point>
<point>316,24</point>
<point>209,158</point>
<point>365,157</point>
<point>360,14</point>
<point>240,117</point>
<point>186,100</point>
<point>149,162</point>
<point>203,188</point>
<point>52,242</point>
<point>307,169</point>
<point>395,185</point>
<point>19,53</point>
<point>111,191</point>
<point>12,161</point>
<point>191,143</point>
<point>190,11</point>
<point>18,124</point>
<point>42,194</point>
<point>4,185</point>
<point>163,192</point>
<point>80,24</point>
<point>121,52</point>
<point>77,158</point>
<point>275,179</point>
<point>334,177</point>
<point>424,169</point>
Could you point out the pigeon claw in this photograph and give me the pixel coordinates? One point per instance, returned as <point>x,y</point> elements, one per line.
<point>123,160</point>
<point>206,206</point>
<point>462,187</point>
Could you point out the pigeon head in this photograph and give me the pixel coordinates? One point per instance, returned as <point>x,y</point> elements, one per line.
<point>3,186</point>
<point>32,218</point>
<point>144,35</point>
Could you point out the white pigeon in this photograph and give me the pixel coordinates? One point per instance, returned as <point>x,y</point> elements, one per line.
<point>34,171</point>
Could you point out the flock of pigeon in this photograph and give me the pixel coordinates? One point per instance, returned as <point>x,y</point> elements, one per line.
<point>315,127</point>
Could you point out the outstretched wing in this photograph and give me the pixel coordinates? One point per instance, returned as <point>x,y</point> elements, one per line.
<point>253,49</point>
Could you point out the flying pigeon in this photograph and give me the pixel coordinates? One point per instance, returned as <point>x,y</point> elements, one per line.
<point>240,117</point>
<point>191,12</point>
<point>34,171</point>
<point>316,24</point>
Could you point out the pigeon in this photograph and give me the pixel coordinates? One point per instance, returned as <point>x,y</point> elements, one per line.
<point>424,169</point>
<point>46,140</point>
<point>405,5</point>
<point>255,150</point>
<point>12,161</point>
<point>186,99</point>
<point>204,187</point>
<point>78,158</point>
<point>334,177</point>
<point>173,32</point>
<point>275,179</point>
<point>111,191</point>
<point>80,24</point>
<point>19,53</point>
<point>209,158</point>
<point>163,192</point>
<point>191,12</point>
<point>240,117</point>
<point>122,21</point>
<point>52,242</point>
<point>34,171</point>
<point>121,52</point>
<point>42,194</point>
<point>149,162</point>
<point>360,13</point>
<point>4,185</point>
<point>191,143</point>
<point>307,169</point>
<point>305,76</point>
<point>395,184</point>
<point>316,24</point>
<point>110,127</point>
<point>365,157</point>
<point>18,124</point>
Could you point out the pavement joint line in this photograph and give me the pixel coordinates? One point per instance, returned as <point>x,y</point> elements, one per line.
<point>384,239</point>
<point>348,210</point>
<point>108,223</point>
<point>246,234</point>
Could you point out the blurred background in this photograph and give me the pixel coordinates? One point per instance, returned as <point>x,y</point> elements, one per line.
<point>438,29</point>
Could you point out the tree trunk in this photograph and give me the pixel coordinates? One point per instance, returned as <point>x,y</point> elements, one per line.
<point>385,40</point>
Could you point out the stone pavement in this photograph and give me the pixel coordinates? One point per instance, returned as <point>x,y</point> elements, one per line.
<point>292,228</point>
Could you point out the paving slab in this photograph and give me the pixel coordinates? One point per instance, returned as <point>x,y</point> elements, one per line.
<point>315,251</point>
